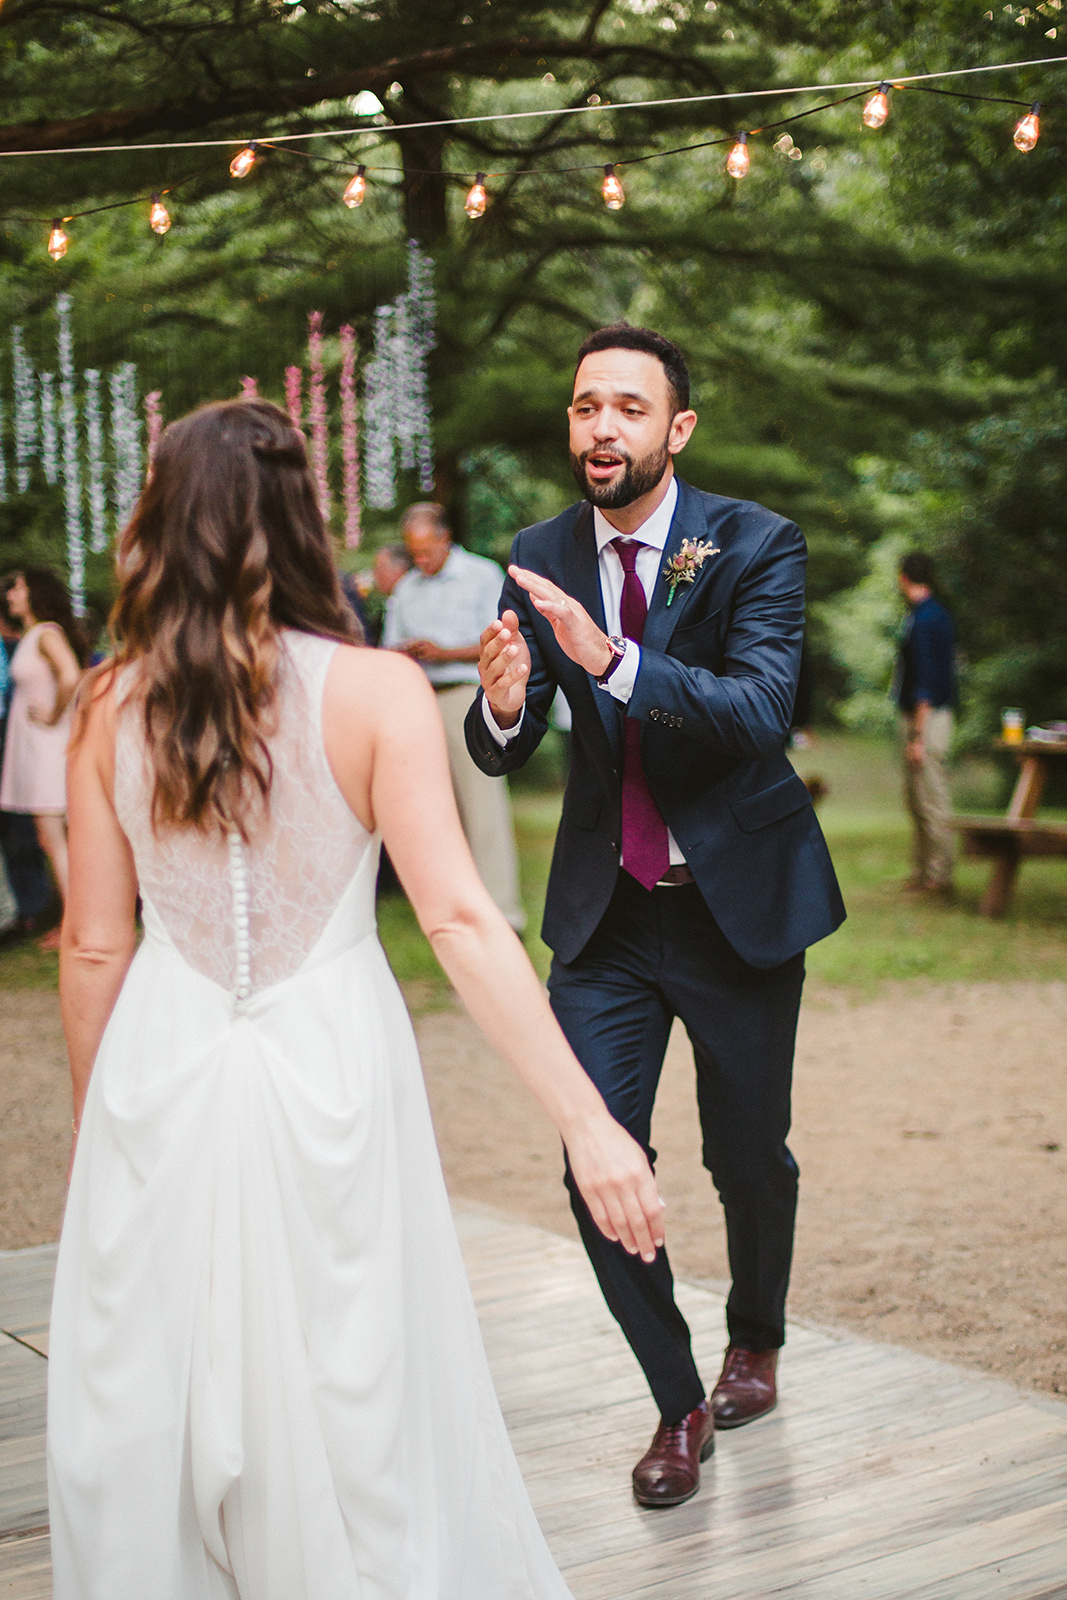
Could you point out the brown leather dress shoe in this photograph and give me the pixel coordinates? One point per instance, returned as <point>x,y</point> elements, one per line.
<point>746,1388</point>
<point>669,1470</point>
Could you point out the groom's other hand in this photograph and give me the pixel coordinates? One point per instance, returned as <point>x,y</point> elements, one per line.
<point>504,669</point>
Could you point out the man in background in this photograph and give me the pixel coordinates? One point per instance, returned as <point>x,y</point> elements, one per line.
<point>925,683</point>
<point>436,615</point>
<point>391,562</point>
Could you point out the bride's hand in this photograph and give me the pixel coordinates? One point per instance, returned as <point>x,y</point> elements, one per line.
<point>617,1184</point>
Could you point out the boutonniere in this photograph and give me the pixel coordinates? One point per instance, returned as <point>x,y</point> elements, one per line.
<point>683,567</point>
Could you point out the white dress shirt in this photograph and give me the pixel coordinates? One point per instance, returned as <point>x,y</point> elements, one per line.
<point>652,534</point>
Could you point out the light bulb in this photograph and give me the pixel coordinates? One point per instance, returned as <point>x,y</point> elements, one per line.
<point>737,160</point>
<point>477,199</point>
<point>244,161</point>
<point>1028,128</point>
<point>876,110</point>
<point>612,190</point>
<point>57,240</point>
<point>357,189</point>
<point>159,216</point>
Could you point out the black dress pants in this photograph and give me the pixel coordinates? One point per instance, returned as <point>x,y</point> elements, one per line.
<point>658,954</point>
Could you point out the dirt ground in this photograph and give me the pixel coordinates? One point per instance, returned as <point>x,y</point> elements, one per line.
<point>930,1125</point>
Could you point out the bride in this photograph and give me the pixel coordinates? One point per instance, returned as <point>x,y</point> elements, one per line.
<point>266,1379</point>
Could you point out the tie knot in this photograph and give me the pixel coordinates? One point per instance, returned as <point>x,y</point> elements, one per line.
<point>626,550</point>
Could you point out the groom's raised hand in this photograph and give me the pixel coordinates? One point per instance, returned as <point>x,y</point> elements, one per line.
<point>504,669</point>
<point>576,632</point>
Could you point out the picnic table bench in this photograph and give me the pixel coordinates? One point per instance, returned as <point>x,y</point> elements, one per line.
<point>1006,840</point>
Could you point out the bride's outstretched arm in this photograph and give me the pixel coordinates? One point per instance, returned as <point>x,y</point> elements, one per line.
<point>385,742</point>
<point>99,929</point>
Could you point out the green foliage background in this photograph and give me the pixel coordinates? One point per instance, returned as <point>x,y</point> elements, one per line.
<point>874,324</point>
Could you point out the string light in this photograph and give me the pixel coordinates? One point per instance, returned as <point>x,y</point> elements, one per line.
<point>612,190</point>
<point>244,161</point>
<point>875,114</point>
<point>477,199</point>
<point>159,216</point>
<point>737,161</point>
<point>1028,128</point>
<point>356,190</point>
<point>876,110</point>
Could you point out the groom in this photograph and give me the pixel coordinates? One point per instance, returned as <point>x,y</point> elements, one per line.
<point>689,871</point>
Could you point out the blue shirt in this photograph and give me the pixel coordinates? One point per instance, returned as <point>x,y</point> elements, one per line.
<point>926,664</point>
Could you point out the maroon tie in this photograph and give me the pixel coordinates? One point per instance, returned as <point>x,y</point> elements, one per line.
<point>645,851</point>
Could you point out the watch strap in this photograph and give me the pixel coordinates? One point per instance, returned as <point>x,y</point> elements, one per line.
<point>618,651</point>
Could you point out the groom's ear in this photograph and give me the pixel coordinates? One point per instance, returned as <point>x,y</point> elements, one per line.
<point>682,426</point>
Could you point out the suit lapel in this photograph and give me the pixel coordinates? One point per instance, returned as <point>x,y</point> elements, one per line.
<point>581,580</point>
<point>689,522</point>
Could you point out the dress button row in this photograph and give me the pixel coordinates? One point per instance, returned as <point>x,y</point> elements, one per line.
<point>664,716</point>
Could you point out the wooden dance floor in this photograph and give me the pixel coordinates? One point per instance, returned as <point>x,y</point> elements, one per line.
<point>882,1475</point>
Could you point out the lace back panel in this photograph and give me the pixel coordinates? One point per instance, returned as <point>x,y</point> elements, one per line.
<point>294,870</point>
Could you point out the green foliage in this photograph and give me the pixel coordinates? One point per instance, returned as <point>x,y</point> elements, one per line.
<point>503,497</point>
<point>1004,548</point>
<point>856,289</point>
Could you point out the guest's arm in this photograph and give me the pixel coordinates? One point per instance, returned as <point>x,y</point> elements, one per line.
<point>63,665</point>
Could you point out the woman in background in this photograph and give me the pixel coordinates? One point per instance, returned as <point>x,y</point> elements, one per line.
<point>266,1380</point>
<point>45,668</point>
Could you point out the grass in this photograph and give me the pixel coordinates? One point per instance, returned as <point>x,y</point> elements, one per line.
<point>887,937</point>
<point>890,936</point>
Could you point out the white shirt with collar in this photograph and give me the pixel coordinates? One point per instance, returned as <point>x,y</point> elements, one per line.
<point>451,607</point>
<point>652,535</point>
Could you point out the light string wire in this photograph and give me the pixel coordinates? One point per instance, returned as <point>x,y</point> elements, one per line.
<point>558,111</point>
<point>278,142</point>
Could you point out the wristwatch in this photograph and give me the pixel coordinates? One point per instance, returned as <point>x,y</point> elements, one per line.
<point>617,647</point>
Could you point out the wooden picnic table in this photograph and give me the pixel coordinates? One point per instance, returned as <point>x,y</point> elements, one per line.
<point>1005,840</point>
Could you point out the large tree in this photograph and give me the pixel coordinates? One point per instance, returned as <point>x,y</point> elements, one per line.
<point>854,288</point>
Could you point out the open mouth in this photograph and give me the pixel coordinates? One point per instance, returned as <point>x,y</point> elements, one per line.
<point>603,463</point>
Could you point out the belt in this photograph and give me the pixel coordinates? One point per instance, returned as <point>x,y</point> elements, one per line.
<point>675,876</point>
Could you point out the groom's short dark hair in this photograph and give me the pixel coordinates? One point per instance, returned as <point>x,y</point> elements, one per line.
<point>621,336</point>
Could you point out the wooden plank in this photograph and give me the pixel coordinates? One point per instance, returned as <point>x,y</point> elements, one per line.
<point>26,1294</point>
<point>25,1567</point>
<point>882,1475</point>
<point>874,1456</point>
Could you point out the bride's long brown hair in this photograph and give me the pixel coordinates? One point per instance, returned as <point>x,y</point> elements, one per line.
<point>226,546</point>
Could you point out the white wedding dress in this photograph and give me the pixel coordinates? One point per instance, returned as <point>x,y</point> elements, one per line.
<point>266,1376</point>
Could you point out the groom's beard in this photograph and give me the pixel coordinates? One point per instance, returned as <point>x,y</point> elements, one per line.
<point>638,477</point>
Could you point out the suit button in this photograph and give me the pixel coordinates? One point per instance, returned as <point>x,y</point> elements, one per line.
<point>677,722</point>
<point>653,716</point>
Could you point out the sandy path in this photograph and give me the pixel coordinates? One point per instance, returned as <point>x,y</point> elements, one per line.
<point>930,1126</point>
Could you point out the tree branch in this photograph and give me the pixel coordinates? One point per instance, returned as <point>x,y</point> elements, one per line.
<point>250,102</point>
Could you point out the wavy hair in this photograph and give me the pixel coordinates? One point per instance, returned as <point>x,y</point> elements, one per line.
<point>225,546</point>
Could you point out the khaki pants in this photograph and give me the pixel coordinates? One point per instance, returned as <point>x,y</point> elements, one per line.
<point>484,809</point>
<point>927,799</point>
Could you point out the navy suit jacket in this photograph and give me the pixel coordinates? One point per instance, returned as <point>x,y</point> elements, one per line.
<point>715,696</point>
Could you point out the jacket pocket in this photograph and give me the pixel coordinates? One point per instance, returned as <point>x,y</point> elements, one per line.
<point>770,805</point>
<point>708,627</point>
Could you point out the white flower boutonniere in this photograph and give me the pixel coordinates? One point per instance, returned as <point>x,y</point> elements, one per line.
<point>683,567</point>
